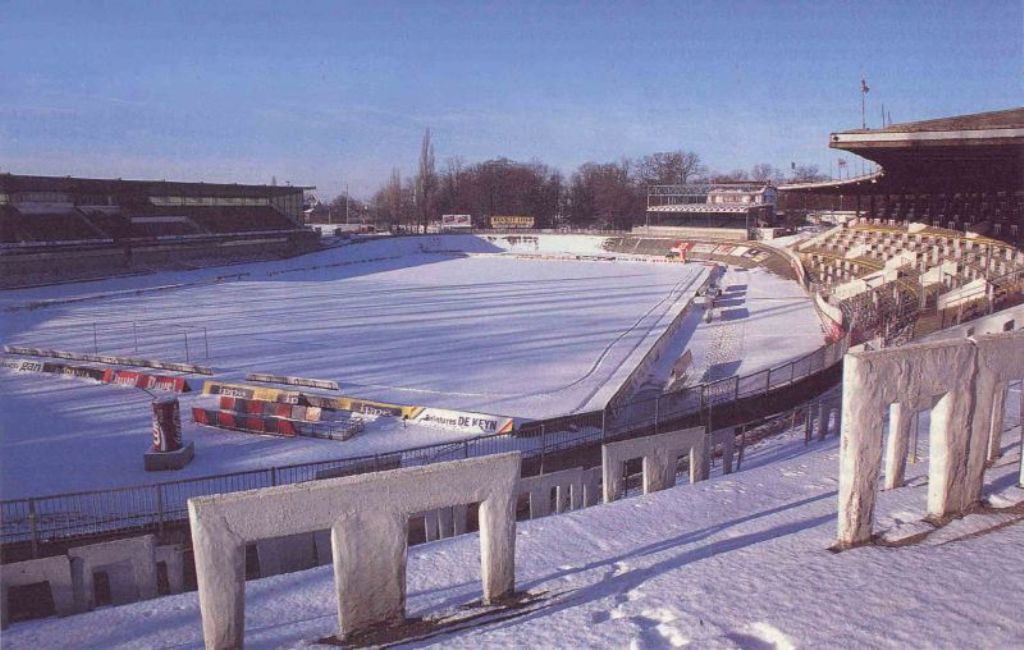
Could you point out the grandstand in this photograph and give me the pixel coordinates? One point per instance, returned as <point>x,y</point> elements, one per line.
<point>62,228</point>
<point>716,210</point>
<point>921,270</point>
<point>960,173</point>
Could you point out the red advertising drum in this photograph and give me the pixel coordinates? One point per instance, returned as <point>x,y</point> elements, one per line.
<point>166,424</point>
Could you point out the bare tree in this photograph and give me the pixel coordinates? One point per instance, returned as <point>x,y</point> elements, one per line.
<point>736,175</point>
<point>391,202</point>
<point>669,168</point>
<point>604,195</point>
<point>766,172</point>
<point>426,182</point>
<point>807,174</point>
<point>451,185</point>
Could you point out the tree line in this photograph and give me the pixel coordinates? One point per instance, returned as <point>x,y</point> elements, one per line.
<point>596,195</point>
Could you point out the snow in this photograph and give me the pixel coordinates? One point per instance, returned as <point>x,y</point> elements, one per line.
<point>740,561</point>
<point>488,324</point>
<point>758,315</point>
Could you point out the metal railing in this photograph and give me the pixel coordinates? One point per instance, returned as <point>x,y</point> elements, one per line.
<point>153,506</point>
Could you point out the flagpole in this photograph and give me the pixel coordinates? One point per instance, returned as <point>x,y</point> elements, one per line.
<point>863,105</point>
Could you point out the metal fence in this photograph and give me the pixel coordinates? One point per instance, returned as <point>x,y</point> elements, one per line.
<point>153,506</point>
<point>158,338</point>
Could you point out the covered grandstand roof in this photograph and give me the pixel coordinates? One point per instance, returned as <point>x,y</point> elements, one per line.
<point>981,151</point>
<point>10,183</point>
<point>1012,118</point>
<point>702,208</point>
<point>833,186</point>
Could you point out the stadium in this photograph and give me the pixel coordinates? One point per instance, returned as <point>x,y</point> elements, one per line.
<point>296,356</point>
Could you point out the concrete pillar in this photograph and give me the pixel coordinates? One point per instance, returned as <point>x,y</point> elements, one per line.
<point>369,569</point>
<point>220,575</point>
<point>659,472</point>
<point>367,515</point>
<point>612,480</point>
<point>859,465</point>
<point>949,437</point>
<point>900,421</point>
<point>728,448</point>
<point>497,545</point>
<point>1000,361</point>
<point>700,461</point>
<point>997,421</point>
<point>592,486</point>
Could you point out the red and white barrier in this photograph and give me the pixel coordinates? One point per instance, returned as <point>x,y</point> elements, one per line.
<point>130,378</point>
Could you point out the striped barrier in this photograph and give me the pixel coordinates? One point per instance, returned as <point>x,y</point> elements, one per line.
<point>273,409</point>
<point>339,403</point>
<point>129,378</point>
<point>249,423</point>
<point>324,384</point>
<point>147,381</point>
<point>465,421</point>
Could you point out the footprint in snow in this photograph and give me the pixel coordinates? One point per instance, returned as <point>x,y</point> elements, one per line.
<point>656,632</point>
<point>600,617</point>
<point>761,636</point>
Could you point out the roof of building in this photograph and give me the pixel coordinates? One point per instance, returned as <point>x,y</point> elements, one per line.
<point>20,183</point>
<point>981,151</point>
<point>1012,118</point>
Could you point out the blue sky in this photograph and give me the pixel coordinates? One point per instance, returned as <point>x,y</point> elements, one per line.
<point>334,93</point>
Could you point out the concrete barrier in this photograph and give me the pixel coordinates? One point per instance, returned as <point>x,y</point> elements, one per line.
<point>1000,361</point>
<point>660,455</point>
<point>934,376</point>
<point>130,565</point>
<point>592,486</point>
<point>368,516</point>
<point>726,439</point>
<point>55,571</point>
<point>567,485</point>
<point>960,381</point>
<point>325,384</point>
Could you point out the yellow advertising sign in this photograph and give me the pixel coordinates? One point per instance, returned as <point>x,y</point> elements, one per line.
<point>513,221</point>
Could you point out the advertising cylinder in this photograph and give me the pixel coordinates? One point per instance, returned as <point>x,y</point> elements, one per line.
<point>166,424</point>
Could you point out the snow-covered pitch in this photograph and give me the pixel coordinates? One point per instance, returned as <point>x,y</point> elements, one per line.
<point>504,325</point>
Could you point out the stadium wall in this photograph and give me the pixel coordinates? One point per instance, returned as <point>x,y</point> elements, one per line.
<point>22,266</point>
